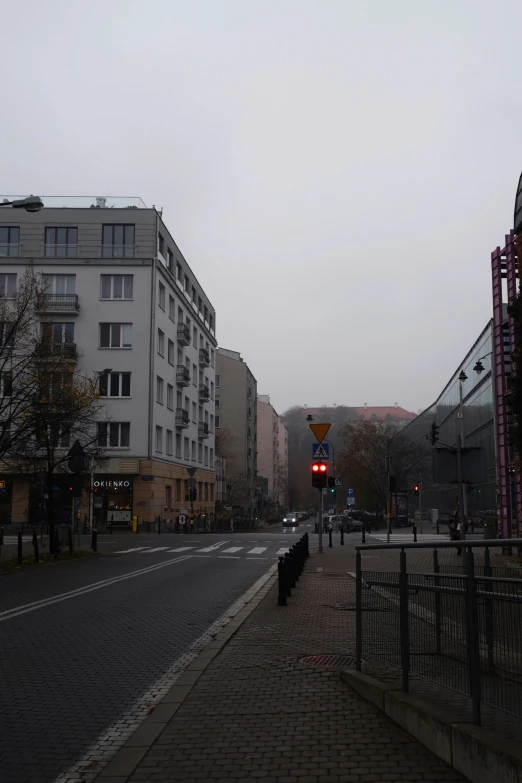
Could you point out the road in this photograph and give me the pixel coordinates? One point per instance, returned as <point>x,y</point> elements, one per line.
<point>87,648</point>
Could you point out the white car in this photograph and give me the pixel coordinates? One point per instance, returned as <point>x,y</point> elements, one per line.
<point>290,519</point>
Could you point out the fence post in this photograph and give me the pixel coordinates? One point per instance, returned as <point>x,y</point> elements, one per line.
<point>488,611</point>
<point>363,532</point>
<point>473,642</point>
<point>20,545</point>
<point>35,547</point>
<point>342,535</point>
<point>70,540</point>
<point>403,621</point>
<point>414,533</point>
<point>94,540</point>
<point>358,611</point>
<point>436,570</point>
<point>330,538</point>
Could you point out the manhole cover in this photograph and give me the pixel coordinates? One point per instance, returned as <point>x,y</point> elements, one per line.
<point>329,661</point>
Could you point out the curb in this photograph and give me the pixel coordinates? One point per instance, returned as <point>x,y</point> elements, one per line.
<point>476,752</point>
<point>127,758</point>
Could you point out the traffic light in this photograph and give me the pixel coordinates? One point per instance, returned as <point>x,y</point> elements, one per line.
<point>193,493</point>
<point>416,489</point>
<point>331,483</point>
<point>434,433</point>
<point>319,477</point>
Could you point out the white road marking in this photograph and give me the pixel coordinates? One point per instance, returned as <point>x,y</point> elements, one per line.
<point>24,608</point>
<point>229,557</point>
<point>212,547</point>
<point>257,550</point>
<point>135,549</point>
<point>110,741</point>
<point>181,549</point>
<point>233,549</point>
<point>156,549</point>
<point>256,558</point>
<point>282,551</point>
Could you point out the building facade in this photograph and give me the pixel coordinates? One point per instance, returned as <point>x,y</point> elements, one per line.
<point>236,394</point>
<point>122,299</point>
<point>268,450</point>
<point>282,459</point>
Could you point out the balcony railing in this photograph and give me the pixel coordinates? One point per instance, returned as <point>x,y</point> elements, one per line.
<point>202,430</point>
<point>204,392</point>
<point>182,417</point>
<point>204,357</point>
<point>58,303</point>
<point>11,249</point>
<point>182,375</point>
<point>48,350</point>
<point>183,334</point>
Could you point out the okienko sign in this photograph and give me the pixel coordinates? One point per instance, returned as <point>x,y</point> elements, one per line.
<point>111,484</point>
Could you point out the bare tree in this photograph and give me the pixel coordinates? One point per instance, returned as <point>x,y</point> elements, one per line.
<point>237,489</point>
<point>224,443</point>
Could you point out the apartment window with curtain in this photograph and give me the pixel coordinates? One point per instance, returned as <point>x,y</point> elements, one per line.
<point>8,285</point>
<point>118,241</point>
<point>172,308</point>
<point>161,342</point>
<point>114,434</point>
<point>115,384</point>
<point>168,445</point>
<point>115,335</point>
<point>159,439</point>
<point>61,242</point>
<point>161,296</point>
<point>159,390</point>
<point>170,397</point>
<point>178,446</point>
<point>117,286</point>
<point>9,241</point>
<point>170,352</point>
<point>59,284</point>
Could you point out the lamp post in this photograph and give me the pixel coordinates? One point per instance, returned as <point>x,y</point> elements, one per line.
<point>463,504</point>
<point>30,204</point>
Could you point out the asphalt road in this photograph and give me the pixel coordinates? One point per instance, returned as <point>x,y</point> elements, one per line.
<point>87,648</point>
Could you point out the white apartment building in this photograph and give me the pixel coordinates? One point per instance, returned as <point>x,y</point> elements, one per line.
<point>121,296</point>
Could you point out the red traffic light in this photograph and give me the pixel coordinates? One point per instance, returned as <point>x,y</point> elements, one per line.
<point>416,487</point>
<point>319,467</point>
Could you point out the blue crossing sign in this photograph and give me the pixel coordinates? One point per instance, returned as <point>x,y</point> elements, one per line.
<point>320,450</point>
<point>337,481</point>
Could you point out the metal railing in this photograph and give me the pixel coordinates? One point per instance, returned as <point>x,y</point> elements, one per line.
<point>182,418</point>
<point>204,358</point>
<point>202,430</point>
<point>62,350</point>
<point>204,392</point>
<point>58,303</point>
<point>183,334</point>
<point>457,624</point>
<point>182,375</point>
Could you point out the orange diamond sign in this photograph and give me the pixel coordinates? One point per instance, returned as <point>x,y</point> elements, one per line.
<point>320,431</point>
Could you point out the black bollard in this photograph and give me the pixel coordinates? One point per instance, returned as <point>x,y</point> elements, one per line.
<point>281,598</point>
<point>19,549</point>
<point>70,540</point>
<point>414,533</point>
<point>330,538</point>
<point>57,544</point>
<point>94,540</point>
<point>364,533</point>
<point>289,569</point>
<point>159,524</point>
<point>35,547</point>
<point>342,536</point>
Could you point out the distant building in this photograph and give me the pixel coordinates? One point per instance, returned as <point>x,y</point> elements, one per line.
<point>282,475</point>
<point>236,393</point>
<point>272,461</point>
<point>394,413</point>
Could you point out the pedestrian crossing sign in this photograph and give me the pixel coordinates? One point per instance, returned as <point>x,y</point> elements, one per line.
<point>320,451</point>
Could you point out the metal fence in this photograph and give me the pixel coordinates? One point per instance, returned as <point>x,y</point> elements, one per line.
<point>457,624</point>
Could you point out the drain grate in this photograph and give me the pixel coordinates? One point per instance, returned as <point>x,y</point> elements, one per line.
<point>329,661</point>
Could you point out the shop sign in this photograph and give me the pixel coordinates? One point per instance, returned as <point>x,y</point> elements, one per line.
<point>113,484</point>
<point>147,478</point>
<point>2,484</point>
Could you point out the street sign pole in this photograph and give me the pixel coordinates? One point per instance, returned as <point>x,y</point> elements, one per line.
<point>420,503</point>
<point>320,528</point>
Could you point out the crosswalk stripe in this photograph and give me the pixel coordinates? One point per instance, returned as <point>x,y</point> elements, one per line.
<point>257,550</point>
<point>212,547</point>
<point>156,549</point>
<point>127,551</point>
<point>231,549</point>
<point>181,549</point>
<point>281,551</point>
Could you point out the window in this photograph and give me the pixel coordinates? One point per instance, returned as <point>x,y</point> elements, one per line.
<point>115,384</point>
<point>200,452</point>
<point>61,242</point>
<point>168,490</point>
<point>161,245</point>
<point>178,445</point>
<point>116,286</point>
<point>56,434</point>
<point>194,297</point>
<point>115,335</point>
<point>6,384</point>
<point>211,422</point>
<point>194,412</point>
<point>205,311</point>
<point>180,357</point>
<point>7,332</point>
<point>59,284</point>
<point>186,448</point>
<point>218,381</point>
<point>170,261</point>
<point>179,399</point>
<point>211,323</point>
<point>179,272</point>
<point>195,374</point>
<point>58,333</point>
<point>200,413</point>
<point>188,323</point>
<point>217,402</point>
<point>200,377</point>
<point>211,390</point>
<point>217,422</point>
<point>187,283</point>
<point>194,455</point>
<point>187,405</point>
<point>159,389</point>
<point>162,296</point>
<point>211,357</point>
<point>172,308</point>
<point>195,337</point>
<point>170,352</point>
<point>114,434</point>
<point>159,438</point>
<point>206,457</point>
<point>206,417</point>
<point>9,240</point>
<point>170,397</point>
<point>118,241</point>
<point>161,342</point>
<point>168,447</point>
<point>7,285</point>
<point>211,465</point>
<point>200,305</point>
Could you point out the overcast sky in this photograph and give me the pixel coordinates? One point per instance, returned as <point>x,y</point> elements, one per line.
<point>336,172</point>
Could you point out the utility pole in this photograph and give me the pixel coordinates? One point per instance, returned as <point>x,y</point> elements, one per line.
<point>463,502</point>
<point>420,503</point>
<point>461,487</point>
<point>320,523</point>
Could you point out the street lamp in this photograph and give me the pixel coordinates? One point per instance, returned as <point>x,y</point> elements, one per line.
<point>479,367</point>
<point>463,500</point>
<point>30,204</point>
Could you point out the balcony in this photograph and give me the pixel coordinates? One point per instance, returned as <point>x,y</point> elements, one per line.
<point>183,334</point>
<point>63,351</point>
<point>182,376</point>
<point>204,358</point>
<point>58,303</point>
<point>203,392</point>
<point>182,417</point>
<point>202,430</point>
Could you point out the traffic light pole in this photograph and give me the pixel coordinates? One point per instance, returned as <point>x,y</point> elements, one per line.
<point>320,523</point>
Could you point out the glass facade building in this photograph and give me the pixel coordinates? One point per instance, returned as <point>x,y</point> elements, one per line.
<point>479,428</point>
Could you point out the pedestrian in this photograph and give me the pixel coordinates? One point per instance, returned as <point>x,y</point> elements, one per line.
<point>454,528</point>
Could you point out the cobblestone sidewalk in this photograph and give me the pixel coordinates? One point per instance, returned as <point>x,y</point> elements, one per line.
<point>258,713</point>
